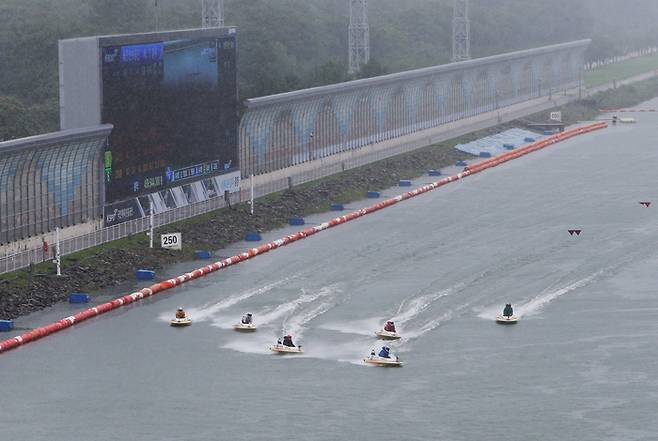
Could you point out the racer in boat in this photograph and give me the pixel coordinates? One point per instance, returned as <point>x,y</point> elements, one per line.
<point>287,341</point>
<point>508,311</point>
<point>384,353</point>
<point>389,326</point>
<point>180,314</point>
<point>246,319</point>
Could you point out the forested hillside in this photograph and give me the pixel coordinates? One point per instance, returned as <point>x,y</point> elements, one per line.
<point>290,44</point>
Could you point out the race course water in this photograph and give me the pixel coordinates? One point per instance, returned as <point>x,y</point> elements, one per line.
<point>582,364</point>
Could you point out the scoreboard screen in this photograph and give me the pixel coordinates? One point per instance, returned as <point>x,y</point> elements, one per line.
<point>173,105</point>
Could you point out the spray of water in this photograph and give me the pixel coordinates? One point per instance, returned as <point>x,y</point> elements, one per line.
<point>534,305</point>
<point>210,310</point>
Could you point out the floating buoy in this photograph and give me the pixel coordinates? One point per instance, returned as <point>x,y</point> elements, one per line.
<point>404,183</point>
<point>373,194</point>
<point>202,254</point>
<point>434,172</point>
<point>252,237</point>
<point>337,207</point>
<point>143,274</point>
<point>485,155</point>
<point>296,221</point>
<point>6,325</point>
<point>79,297</point>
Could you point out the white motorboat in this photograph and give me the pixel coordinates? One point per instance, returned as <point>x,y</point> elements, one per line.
<point>382,361</point>
<point>283,349</point>
<point>180,322</point>
<point>386,335</point>
<point>245,327</point>
<point>507,320</point>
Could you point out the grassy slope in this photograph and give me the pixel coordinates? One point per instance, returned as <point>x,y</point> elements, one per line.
<point>620,71</point>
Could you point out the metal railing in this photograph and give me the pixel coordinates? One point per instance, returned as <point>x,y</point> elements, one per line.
<point>23,259</point>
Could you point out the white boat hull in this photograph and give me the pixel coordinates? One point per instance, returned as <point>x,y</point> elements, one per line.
<point>283,349</point>
<point>178,322</point>
<point>241,327</point>
<point>381,361</point>
<point>503,320</point>
<point>385,335</point>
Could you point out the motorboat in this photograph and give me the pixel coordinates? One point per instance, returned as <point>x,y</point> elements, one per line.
<point>180,322</point>
<point>507,320</point>
<point>245,327</point>
<point>386,335</point>
<point>376,360</point>
<point>283,349</point>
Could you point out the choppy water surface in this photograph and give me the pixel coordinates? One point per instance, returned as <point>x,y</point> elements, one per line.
<point>582,363</point>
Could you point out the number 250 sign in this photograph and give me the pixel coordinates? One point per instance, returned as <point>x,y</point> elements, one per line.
<point>171,241</point>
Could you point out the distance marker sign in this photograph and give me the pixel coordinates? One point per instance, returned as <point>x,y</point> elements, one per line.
<point>171,241</point>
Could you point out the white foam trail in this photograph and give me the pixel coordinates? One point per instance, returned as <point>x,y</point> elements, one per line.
<point>434,323</point>
<point>295,324</point>
<point>288,307</point>
<point>535,304</point>
<point>209,310</point>
<point>411,308</point>
<point>366,326</point>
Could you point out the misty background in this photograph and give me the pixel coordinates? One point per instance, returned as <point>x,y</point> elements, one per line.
<point>292,44</point>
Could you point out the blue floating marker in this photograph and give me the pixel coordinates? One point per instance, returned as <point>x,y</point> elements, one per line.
<point>405,183</point>
<point>508,146</point>
<point>529,139</point>
<point>296,221</point>
<point>6,325</point>
<point>202,254</point>
<point>252,237</point>
<point>143,274</point>
<point>337,207</point>
<point>485,155</point>
<point>373,194</point>
<point>460,163</point>
<point>79,297</point>
<point>434,172</point>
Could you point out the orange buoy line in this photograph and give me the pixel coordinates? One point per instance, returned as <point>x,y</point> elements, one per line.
<point>67,322</point>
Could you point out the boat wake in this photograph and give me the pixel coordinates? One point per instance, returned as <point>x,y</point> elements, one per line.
<point>286,309</point>
<point>412,307</point>
<point>210,310</point>
<point>294,324</point>
<point>536,304</point>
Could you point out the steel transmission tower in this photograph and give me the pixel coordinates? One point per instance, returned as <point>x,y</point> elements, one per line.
<point>461,32</point>
<point>359,35</point>
<point>212,13</point>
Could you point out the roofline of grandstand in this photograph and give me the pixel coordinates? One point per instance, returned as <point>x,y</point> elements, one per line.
<point>48,139</point>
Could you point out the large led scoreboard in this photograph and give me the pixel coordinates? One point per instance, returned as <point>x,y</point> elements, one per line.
<point>172,99</point>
